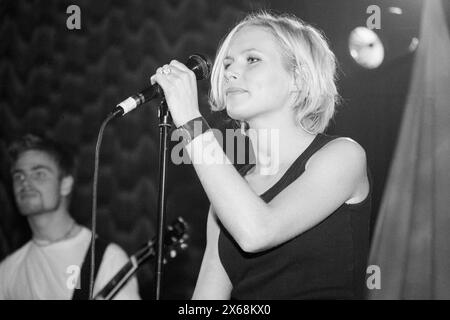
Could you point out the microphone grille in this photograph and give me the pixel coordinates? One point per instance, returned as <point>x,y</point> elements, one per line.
<point>200,65</point>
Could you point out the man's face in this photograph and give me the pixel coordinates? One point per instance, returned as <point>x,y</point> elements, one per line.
<point>36,183</point>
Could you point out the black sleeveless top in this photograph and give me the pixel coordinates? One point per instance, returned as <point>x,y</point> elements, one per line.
<point>327,261</point>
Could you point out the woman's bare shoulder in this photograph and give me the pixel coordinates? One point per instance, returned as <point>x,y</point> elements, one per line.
<point>342,150</point>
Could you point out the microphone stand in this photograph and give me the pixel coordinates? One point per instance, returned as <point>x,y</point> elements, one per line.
<point>164,126</point>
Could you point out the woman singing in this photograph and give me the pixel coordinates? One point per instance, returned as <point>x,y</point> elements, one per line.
<point>301,229</point>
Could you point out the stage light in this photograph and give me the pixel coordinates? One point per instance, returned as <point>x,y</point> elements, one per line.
<point>395,10</point>
<point>414,44</point>
<point>366,48</point>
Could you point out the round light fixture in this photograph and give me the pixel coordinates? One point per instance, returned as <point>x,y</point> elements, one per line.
<point>366,48</point>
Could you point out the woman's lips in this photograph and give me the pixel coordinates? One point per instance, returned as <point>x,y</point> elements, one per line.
<point>235,91</point>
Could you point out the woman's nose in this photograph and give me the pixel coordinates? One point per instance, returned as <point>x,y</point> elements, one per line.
<point>234,70</point>
<point>231,75</point>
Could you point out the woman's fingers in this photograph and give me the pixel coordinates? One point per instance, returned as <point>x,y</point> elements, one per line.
<point>180,90</point>
<point>175,68</point>
<point>179,65</point>
<point>183,68</point>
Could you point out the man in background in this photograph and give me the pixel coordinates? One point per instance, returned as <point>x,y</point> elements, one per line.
<point>55,263</point>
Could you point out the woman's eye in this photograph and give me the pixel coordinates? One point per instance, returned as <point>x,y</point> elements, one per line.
<point>252,59</point>
<point>226,63</point>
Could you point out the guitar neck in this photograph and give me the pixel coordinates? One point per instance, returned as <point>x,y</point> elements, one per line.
<point>128,270</point>
<point>175,236</point>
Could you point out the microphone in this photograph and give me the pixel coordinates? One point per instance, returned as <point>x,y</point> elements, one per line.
<point>199,64</point>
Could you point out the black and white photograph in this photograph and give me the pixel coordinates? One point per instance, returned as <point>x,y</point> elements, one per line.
<point>244,151</point>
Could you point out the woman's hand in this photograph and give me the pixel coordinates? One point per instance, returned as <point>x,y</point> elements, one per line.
<point>180,89</point>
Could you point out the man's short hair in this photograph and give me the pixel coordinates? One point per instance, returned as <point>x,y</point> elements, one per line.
<point>62,155</point>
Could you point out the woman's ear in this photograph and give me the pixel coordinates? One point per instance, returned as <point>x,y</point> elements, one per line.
<point>296,80</point>
<point>66,185</point>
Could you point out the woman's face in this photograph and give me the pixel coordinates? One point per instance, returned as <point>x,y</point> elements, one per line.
<point>256,82</point>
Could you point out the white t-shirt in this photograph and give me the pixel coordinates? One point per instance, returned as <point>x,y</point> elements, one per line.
<point>40,271</point>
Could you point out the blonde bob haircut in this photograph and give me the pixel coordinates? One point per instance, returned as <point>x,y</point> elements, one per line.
<point>306,53</point>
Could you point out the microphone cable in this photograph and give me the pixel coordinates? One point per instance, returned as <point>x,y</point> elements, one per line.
<point>111,116</point>
<point>201,66</point>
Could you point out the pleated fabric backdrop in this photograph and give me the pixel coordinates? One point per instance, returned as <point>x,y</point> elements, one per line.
<point>64,82</point>
<point>411,243</point>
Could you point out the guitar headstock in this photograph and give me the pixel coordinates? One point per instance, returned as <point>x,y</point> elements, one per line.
<point>175,239</point>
